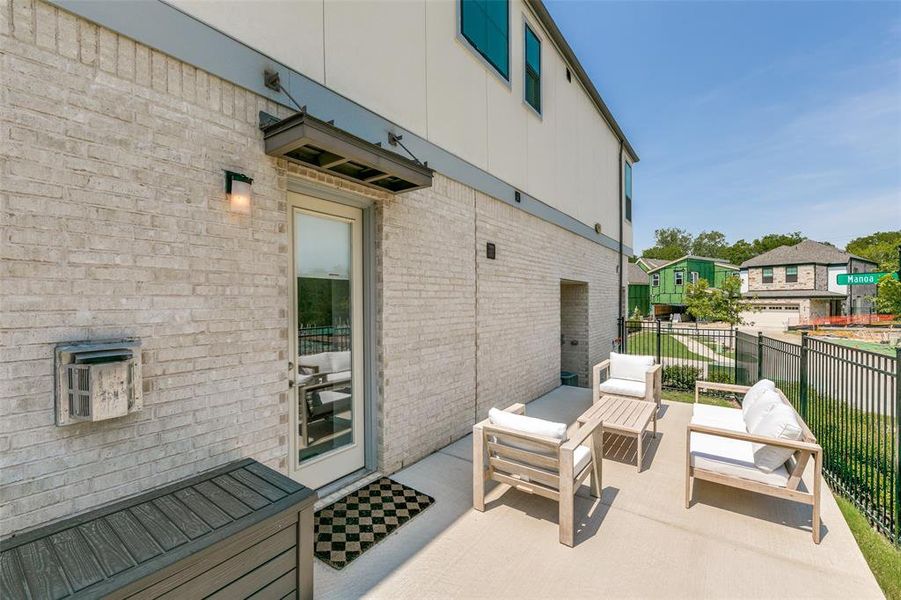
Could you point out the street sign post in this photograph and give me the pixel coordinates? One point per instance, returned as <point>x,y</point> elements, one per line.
<point>862,278</point>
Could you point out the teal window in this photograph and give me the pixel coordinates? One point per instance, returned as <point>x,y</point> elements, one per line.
<point>486,26</point>
<point>791,274</point>
<point>767,275</point>
<point>627,187</point>
<point>533,69</point>
<point>679,277</point>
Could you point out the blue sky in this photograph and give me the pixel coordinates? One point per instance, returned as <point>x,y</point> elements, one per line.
<point>753,117</point>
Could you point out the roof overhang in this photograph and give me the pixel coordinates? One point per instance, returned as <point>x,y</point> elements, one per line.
<point>311,142</point>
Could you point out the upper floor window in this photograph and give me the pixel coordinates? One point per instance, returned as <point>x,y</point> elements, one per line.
<point>486,26</point>
<point>679,277</point>
<point>791,274</point>
<point>533,70</point>
<point>693,277</point>
<point>655,279</point>
<point>767,276</point>
<point>627,187</point>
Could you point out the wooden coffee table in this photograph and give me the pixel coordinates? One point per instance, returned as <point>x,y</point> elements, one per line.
<point>624,416</point>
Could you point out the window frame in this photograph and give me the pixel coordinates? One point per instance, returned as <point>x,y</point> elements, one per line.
<point>627,190</point>
<point>505,78</point>
<point>679,277</point>
<point>693,277</point>
<point>655,279</point>
<point>794,275</point>
<point>527,29</point>
<point>764,276</point>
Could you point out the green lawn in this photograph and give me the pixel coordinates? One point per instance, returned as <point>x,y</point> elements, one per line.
<point>862,345</point>
<point>716,347</point>
<point>883,558</point>
<point>645,342</point>
<point>689,398</point>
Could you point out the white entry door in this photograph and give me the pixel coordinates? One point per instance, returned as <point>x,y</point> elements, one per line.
<point>327,341</point>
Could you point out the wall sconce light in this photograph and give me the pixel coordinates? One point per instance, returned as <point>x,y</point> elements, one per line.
<point>238,191</point>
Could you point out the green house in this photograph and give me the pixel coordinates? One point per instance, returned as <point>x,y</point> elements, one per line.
<point>639,291</point>
<point>669,281</point>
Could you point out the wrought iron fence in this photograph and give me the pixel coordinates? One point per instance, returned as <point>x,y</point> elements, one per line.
<point>312,340</point>
<point>687,352</point>
<point>851,401</point>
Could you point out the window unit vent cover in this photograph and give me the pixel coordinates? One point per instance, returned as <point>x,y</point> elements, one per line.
<point>306,140</point>
<point>97,381</point>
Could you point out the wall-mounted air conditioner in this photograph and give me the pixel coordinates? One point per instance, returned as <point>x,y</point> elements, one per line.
<point>96,381</point>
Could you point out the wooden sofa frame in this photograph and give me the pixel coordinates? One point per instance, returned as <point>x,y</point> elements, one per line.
<point>653,383</point>
<point>805,449</point>
<point>549,475</point>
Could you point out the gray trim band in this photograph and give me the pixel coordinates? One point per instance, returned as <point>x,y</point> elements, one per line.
<point>164,27</point>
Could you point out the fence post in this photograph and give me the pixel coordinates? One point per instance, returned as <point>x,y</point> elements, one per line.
<point>802,378</point>
<point>658,342</point>
<point>621,326</point>
<point>897,443</point>
<point>759,356</point>
<point>735,355</point>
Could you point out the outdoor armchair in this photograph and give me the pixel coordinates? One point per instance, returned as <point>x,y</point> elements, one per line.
<point>763,447</point>
<point>534,456</point>
<point>627,376</point>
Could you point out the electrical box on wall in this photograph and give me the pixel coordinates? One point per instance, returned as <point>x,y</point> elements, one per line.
<point>96,381</point>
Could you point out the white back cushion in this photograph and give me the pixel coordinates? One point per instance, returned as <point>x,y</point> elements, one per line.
<point>340,361</point>
<point>529,425</point>
<point>755,393</point>
<point>321,360</point>
<point>778,422</point>
<point>625,366</point>
<point>766,402</point>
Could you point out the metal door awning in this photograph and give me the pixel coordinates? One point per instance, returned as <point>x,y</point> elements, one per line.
<point>312,142</point>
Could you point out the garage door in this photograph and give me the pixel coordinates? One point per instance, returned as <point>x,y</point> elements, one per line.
<point>772,318</point>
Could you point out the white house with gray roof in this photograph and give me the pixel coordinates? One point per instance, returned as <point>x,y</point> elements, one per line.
<point>796,284</point>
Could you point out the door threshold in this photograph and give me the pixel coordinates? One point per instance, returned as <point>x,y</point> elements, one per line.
<point>345,485</point>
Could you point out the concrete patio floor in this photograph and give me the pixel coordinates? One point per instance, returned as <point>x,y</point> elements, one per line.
<point>638,541</point>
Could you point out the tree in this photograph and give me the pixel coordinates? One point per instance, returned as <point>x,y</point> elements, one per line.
<point>888,296</point>
<point>710,243</point>
<point>739,252</point>
<point>881,247</point>
<point>670,243</point>
<point>725,303</point>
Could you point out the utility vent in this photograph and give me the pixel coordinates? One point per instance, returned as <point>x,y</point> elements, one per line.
<point>96,381</point>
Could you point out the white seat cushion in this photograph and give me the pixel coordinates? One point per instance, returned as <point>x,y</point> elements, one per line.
<point>581,456</point>
<point>339,361</point>
<point>626,366</point>
<point>732,457</point>
<point>755,393</point>
<point>624,387</point>
<point>767,401</point>
<point>338,377</point>
<point>779,422</point>
<point>718,416</point>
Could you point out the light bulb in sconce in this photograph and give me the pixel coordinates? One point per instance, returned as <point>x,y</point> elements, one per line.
<point>238,190</point>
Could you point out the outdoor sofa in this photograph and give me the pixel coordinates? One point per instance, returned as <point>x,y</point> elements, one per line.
<point>324,380</point>
<point>763,447</point>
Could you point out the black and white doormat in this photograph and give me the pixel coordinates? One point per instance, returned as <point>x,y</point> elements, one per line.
<point>358,521</point>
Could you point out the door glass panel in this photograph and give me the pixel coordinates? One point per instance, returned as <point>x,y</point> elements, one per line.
<point>324,290</point>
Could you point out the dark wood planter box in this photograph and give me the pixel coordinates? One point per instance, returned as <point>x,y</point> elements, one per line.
<point>239,531</point>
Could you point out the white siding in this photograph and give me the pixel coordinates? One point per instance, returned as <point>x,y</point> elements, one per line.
<point>833,273</point>
<point>406,62</point>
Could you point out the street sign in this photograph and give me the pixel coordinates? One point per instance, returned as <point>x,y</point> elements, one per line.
<point>861,278</point>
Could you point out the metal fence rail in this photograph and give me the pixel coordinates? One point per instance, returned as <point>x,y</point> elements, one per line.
<point>849,398</point>
<point>686,352</point>
<point>312,340</point>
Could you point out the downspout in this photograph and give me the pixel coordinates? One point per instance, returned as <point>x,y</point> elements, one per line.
<point>619,266</point>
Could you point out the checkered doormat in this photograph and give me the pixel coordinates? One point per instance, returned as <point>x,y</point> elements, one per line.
<point>358,521</point>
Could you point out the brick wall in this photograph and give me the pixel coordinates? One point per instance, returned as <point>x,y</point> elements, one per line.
<point>810,277</point>
<point>115,224</point>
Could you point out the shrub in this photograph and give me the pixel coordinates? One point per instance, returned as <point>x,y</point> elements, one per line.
<point>681,377</point>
